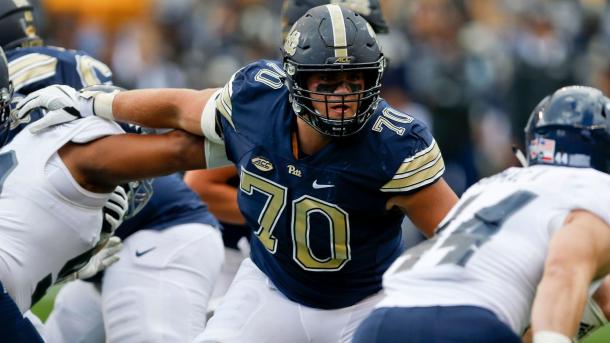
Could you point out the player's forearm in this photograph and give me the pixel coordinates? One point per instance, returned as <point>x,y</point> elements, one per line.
<point>161,108</point>
<point>560,300</point>
<point>102,164</point>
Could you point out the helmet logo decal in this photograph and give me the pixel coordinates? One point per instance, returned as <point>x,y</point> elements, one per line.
<point>292,41</point>
<point>262,164</point>
<point>360,6</point>
<point>27,24</point>
<point>339,32</point>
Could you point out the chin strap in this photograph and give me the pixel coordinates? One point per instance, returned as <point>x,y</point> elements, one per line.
<point>520,156</point>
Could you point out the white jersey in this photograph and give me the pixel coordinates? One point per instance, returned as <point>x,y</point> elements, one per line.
<point>42,229</point>
<point>491,248</point>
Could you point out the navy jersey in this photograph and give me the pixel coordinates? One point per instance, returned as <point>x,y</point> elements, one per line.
<point>31,69</point>
<point>172,203</point>
<point>325,236</point>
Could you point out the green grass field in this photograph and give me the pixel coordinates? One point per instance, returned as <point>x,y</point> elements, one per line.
<point>44,306</point>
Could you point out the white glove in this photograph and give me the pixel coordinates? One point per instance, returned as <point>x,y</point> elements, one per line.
<point>56,97</point>
<point>63,103</point>
<point>106,256</point>
<point>114,211</point>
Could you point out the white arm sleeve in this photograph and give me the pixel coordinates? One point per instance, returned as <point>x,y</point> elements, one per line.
<point>215,154</point>
<point>208,120</point>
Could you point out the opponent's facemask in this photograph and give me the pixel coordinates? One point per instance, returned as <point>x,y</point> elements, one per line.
<point>17,27</point>
<point>570,128</point>
<point>332,39</point>
<point>6,94</point>
<point>292,10</point>
<point>138,194</point>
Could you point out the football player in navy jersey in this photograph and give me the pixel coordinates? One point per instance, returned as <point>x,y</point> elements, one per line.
<point>218,186</point>
<point>172,249</point>
<point>327,170</point>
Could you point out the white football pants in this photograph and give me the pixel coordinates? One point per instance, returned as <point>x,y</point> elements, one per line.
<point>157,292</point>
<point>254,311</point>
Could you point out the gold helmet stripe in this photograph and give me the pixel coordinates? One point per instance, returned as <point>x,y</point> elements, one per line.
<point>339,32</point>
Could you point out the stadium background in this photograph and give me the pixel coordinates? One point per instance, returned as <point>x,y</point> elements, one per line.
<point>471,69</point>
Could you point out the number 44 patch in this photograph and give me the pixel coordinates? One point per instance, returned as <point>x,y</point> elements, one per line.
<point>561,158</point>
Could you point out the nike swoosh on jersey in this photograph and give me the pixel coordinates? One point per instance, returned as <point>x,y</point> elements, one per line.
<point>140,253</point>
<point>316,185</point>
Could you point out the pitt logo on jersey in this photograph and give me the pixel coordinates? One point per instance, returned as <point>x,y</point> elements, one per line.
<point>294,171</point>
<point>262,164</point>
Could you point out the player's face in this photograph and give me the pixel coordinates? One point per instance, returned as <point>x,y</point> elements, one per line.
<point>334,87</point>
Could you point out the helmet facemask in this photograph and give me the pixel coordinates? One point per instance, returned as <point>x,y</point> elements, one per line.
<point>362,99</point>
<point>138,194</point>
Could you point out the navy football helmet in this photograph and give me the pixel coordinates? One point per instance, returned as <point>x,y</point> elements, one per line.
<point>333,39</point>
<point>292,10</point>
<point>17,27</point>
<point>571,127</point>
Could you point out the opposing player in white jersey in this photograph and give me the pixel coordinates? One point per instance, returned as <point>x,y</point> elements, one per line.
<point>527,236</point>
<point>52,189</point>
<point>159,289</point>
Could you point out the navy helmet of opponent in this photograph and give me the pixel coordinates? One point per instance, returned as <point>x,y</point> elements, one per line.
<point>331,42</point>
<point>571,127</point>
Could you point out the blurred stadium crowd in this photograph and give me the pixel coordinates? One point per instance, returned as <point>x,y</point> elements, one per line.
<point>472,69</point>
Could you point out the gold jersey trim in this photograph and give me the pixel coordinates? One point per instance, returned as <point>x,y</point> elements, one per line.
<point>421,169</point>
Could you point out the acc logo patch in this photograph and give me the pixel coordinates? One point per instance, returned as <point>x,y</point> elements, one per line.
<point>262,164</point>
<point>292,41</point>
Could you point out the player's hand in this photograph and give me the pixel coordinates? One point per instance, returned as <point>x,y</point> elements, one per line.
<point>106,256</point>
<point>114,211</point>
<point>56,97</point>
<point>61,104</point>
